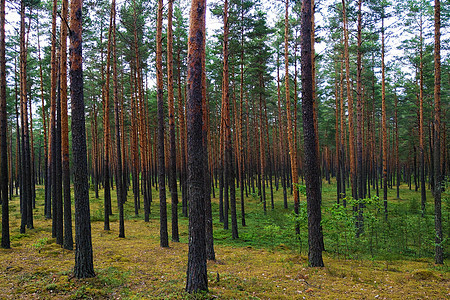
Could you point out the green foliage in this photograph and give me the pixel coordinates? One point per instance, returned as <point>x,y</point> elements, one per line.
<point>405,233</point>
<point>40,243</point>
<point>112,277</point>
<point>97,215</point>
<point>16,237</point>
<point>301,188</point>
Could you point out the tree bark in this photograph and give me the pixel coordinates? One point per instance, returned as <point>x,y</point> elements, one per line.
<point>359,126</point>
<point>172,146</point>
<point>68,238</point>
<point>107,132</point>
<point>351,129</point>
<point>241,127</point>
<point>164,239</point>
<point>120,183</point>
<point>439,251</point>
<point>311,170</point>
<point>53,79</point>
<point>26,160</point>
<point>421,137</point>
<point>196,271</point>
<point>182,125</point>
<point>84,266</point>
<point>47,205</point>
<point>384,121</point>
<point>5,243</point>
<point>291,140</point>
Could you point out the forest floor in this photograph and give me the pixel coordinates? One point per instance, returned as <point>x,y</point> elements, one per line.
<point>136,267</point>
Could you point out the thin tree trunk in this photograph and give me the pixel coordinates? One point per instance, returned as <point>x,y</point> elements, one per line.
<point>164,239</point>
<point>226,122</point>
<point>262,149</point>
<point>337,137</point>
<point>292,142</point>
<point>59,215</point>
<point>439,251</point>
<point>210,253</point>
<point>350,106</point>
<point>53,83</point>
<point>281,142</point>
<point>359,126</point>
<point>134,146</point>
<point>5,243</point>
<point>383,120</point>
<point>47,205</point>
<point>342,134</point>
<point>170,100</point>
<point>229,165</point>
<point>119,164</point>
<point>26,160</point>
<point>182,124</point>
<point>32,164</point>
<point>68,239</point>
<point>421,137</point>
<point>241,101</point>
<point>397,162</point>
<point>107,131</point>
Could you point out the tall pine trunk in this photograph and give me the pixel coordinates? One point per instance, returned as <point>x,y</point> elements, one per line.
<point>164,240</point>
<point>384,121</point>
<point>170,100</point>
<point>84,266</point>
<point>68,238</point>
<point>291,138</point>
<point>439,251</point>
<point>359,126</point>
<point>311,170</point>
<point>351,129</point>
<point>47,207</point>
<point>196,270</point>
<point>421,124</point>
<point>5,243</point>
<point>26,158</point>
<point>120,183</point>
<point>107,132</point>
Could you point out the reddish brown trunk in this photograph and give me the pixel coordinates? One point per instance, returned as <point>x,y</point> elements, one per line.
<point>68,239</point>
<point>383,120</point>
<point>5,242</point>
<point>164,240</point>
<point>291,134</point>
<point>84,266</point>
<point>350,105</point>
<point>439,251</point>
<point>311,170</point>
<point>196,270</point>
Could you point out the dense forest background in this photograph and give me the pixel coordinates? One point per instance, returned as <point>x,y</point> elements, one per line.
<point>376,146</point>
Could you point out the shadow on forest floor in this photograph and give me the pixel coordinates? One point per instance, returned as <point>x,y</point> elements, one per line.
<point>137,268</point>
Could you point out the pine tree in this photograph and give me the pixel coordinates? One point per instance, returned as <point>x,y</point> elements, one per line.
<point>5,243</point>
<point>312,177</point>
<point>439,251</point>
<point>170,100</point>
<point>290,123</point>
<point>84,266</point>
<point>68,239</point>
<point>197,279</point>
<point>120,183</point>
<point>164,240</point>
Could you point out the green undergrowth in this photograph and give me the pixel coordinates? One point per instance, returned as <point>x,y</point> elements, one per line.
<point>389,259</point>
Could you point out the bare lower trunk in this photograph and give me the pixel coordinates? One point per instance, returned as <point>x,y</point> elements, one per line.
<point>84,266</point>
<point>196,270</point>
